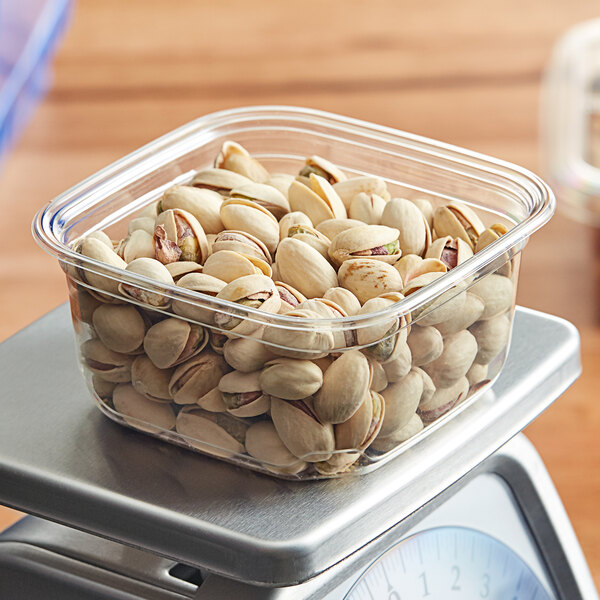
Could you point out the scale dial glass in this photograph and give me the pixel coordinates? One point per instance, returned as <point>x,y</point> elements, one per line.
<point>449,563</point>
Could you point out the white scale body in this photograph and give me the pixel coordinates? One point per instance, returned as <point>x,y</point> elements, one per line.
<point>463,514</point>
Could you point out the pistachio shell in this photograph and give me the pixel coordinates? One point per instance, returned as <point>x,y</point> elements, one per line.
<point>149,380</point>
<point>428,385</point>
<point>101,237</point>
<point>290,379</point>
<point>349,188</point>
<point>150,211</point>
<point>219,434</point>
<point>456,359</point>
<point>426,344</point>
<point>425,206</point>
<point>179,236</point>
<point>443,400</point>
<point>97,250</point>
<point>242,394</point>
<point>264,444</point>
<point>120,327</point>
<point>106,364</point>
<point>183,267</point>
<point>153,269</point>
<point>469,312</point>
<point>367,208</point>
<point>228,265</point>
<point>399,363</point>
<point>245,215</point>
<point>414,425</point>
<point>204,204</point>
<point>380,381</point>
<point>219,180</point>
<point>324,168</point>
<point>451,251</point>
<point>196,377</point>
<point>235,157</point>
<point>409,220</point>
<point>332,227</point>
<point>246,354</point>
<point>198,282</point>
<point>492,336</point>
<point>212,401</point>
<point>304,268</point>
<point>139,244</point>
<point>380,332</point>
<point>104,389</point>
<point>173,341</point>
<point>367,278</point>
<point>281,182</point>
<point>292,219</point>
<point>344,298</point>
<point>312,237</point>
<point>407,264</point>
<point>141,413</point>
<point>477,374</point>
<point>264,195</point>
<point>290,297</point>
<point>241,241</point>
<point>344,386</point>
<point>83,305</point>
<point>401,401</point>
<point>376,242</point>
<point>497,294</point>
<point>458,221</point>
<point>306,200</point>
<point>300,431</point>
<point>325,190</point>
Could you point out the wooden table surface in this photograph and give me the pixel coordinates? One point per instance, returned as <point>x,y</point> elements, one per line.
<point>465,72</point>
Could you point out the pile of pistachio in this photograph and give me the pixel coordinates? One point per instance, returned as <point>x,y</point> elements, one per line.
<point>316,245</point>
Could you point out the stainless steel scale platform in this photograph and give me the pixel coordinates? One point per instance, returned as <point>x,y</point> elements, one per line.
<point>462,514</point>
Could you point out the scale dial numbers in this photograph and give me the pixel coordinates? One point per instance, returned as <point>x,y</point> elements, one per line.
<point>449,563</point>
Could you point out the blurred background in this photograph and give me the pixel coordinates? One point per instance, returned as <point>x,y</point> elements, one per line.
<point>461,72</point>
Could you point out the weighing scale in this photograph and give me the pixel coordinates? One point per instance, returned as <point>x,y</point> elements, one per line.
<point>460,515</point>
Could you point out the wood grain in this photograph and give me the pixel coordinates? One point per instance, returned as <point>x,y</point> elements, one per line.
<point>465,72</point>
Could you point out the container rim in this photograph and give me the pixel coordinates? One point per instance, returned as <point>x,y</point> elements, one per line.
<point>540,206</point>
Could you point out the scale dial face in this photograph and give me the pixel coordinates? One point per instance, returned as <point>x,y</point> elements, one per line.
<point>449,563</point>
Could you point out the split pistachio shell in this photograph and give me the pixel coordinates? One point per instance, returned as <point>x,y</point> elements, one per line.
<point>451,251</point>
<point>178,235</point>
<point>141,413</point>
<point>324,189</point>
<point>489,235</point>
<point>106,364</point>
<point>204,204</point>
<point>183,267</point>
<point>367,208</point>
<point>477,373</point>
<point>470,311</point>
<point>234,157</point>
<point>401,401</point>
<point>456,359</point>
<point>407,265</point>
<point>245,215</point>
<point>120,327</point>
<point>264,444</point>
<point>458,221</point>
<point>219,180</point>
<point>292,219</point>
<point>255,291</point>
<point>290,297</point>
<point>443,400</point>
<point>290,379</point>
<point>241,241</point>
<point>242,394</point>
<point>97,250</point>
<point>196,377</point>
<point>347,190</point>
<point>492,336</point>
<point>304,199</point>
<point>173,341</point>
<point>281,182</point>
<point>376,242</point>
<point>409,220</point>
<point>246,354</point>
<point>219,434</point>
<point>212,401</point>
<point>301,432</point>
<point>228,265</point>
<point>312,237</point>
<point>414,425</point>
<point>264,195</point>
<point>367,278</point>
<point>344,386</point>
<point>322,167</point>
<point>344,298</point>
<point>303,342</point>
<point>496,292</point>
<point>152,269</point>
<point>304,268</point>
<point>332,227</point>
<point>149,380</point>
<point>198,282</point>
<point>138,244</point>
<point>426,344</point>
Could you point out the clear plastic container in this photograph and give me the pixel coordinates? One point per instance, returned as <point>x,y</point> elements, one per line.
<point>570,122</point>
<point>457,327</point>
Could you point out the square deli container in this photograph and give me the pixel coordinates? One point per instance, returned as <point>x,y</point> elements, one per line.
<point>281,138</point>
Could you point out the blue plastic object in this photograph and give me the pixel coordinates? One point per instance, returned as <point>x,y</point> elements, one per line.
<point>29,32</point>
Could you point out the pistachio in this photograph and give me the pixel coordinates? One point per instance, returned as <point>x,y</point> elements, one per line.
<point>245,215</point>
<point>490,235</point>
<point>150,211</point>
<point>409,220</point>
<point>380,381</point>
<point>450,251</point>
<point>443,400</point>
<point>320,202</point>
<point>228,265</point>
<point>106,364</point>
<point>322,167</point>
<point>414,425</point>
<point>496,293</point>
<point>399,363</point>
<point>173,341</point>
<point>292,219</point>
<point>264,444</point>
<point>367,208</point>
<point>246,354</point>
<point>347,190</point>
<point>149,380</point>
<point>376,242</point>
<point>453,363</point>
<point>401,401</point>
<point>407,265</point>
<point>212,401</point>
<point>426,344</point>
<point>178,235</point>
<point>428,385</point>
<point>458,221</point>
<point>264,195</point>
<point>290,379</point>
<point>345,383</point>
<point>476,374</point>
<point>104,389</point>
<point>242,242</point>
<point>492,336</point>
<point>219,180</point>
<point>281,182</point>
<point>204,204</point>
<point>217,341</point>
<point>290,297</point>
<point>242,394</point>
<point>99,251</point>
<point>234,157</point>
<point>152,269</point>
<point>301,266</point>
<point>344,298</point>
<point>312,237</point>
<point>300,430</point>
<point>205,284</point>
<point>183,267</point>
<point>196,377</point>
<point>367,278</point>
<point>465,315</point>
<point>332,227</point>
<point>424,205</point>
<point>120,327</point>
<point>83,304</point>
<point>137,244</point>
<point>101,237</point>
<point>141,413</point>
<point>219,434</point>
